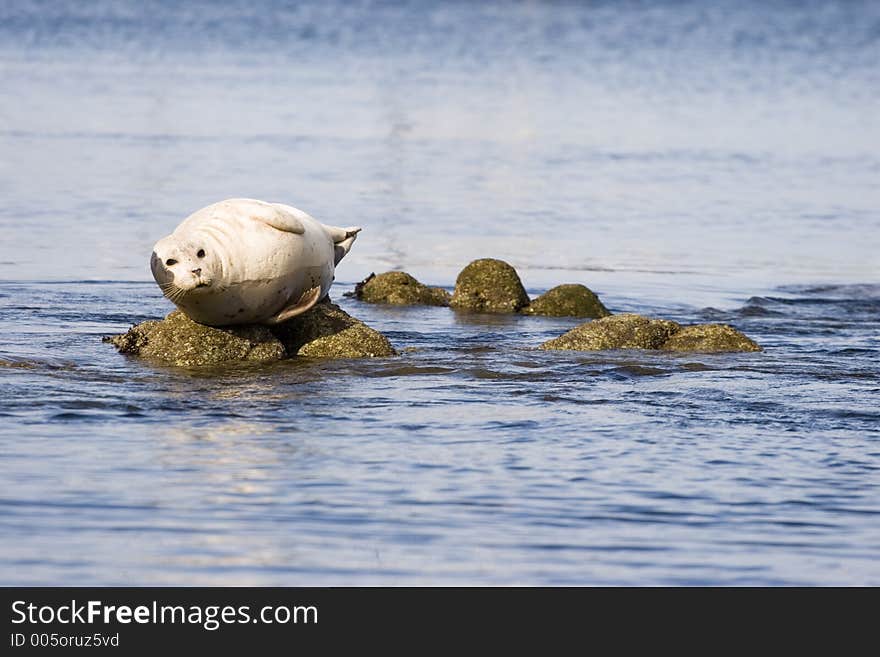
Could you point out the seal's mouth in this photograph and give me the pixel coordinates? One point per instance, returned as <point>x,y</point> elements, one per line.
<point>203,284</point>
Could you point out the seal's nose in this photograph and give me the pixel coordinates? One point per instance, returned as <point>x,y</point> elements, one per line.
<point>197,271</point>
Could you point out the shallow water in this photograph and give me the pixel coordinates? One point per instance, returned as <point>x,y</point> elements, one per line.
<point>696,162</point>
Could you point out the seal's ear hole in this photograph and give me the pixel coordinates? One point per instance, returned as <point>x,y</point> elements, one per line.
<point>200,253</point>
<point>170,261</point>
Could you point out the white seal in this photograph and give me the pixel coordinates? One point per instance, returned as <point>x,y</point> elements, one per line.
<point>244,261</point>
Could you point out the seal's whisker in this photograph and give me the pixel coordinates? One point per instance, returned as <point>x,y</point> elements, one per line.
<point>172,291</point>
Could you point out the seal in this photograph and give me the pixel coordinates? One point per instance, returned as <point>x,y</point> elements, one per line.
<point>243,261</point>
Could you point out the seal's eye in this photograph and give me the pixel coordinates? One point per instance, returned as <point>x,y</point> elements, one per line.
<point>170,261</point>
<point>201,253</point>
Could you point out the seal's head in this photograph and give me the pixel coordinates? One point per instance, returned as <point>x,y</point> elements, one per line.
<point>181,267</point>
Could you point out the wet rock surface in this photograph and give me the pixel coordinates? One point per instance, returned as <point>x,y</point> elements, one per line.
<point>489,286</point>
<point>325,331</point>
<point>631,331</point>
<point>568,300</point>
<point>400,289</point>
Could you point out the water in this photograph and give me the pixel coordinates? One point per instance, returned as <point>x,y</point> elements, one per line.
<point>695,161</point>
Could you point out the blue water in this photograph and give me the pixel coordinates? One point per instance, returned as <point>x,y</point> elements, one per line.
<point>695,161</point>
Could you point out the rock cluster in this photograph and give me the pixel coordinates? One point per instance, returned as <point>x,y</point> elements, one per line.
<point>484,286</point>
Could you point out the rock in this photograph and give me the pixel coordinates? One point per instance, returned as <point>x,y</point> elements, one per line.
<point>401,289</point>
<point>569,300</point>
<point>325,331</point>
<point>625,331</point>
<point>710,338</point>
<point>489,286</point>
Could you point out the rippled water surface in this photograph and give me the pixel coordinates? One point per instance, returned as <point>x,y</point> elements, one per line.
<point>696,161</point>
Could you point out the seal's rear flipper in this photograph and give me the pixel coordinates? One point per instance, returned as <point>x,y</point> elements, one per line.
<point>342,238</point>
<point>306,301</point>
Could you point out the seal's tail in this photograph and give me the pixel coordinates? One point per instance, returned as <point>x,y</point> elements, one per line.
<point>343,238</point>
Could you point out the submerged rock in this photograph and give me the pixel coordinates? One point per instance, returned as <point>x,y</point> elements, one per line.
<point>325,331</point>
<point>625,331</point>
<point>401,289</point>
<point>569,300</point>
<point>710,338</point>
<point>489,286</point>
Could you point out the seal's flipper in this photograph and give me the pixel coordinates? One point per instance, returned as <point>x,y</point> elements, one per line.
<point>342,238</point>
<point>282,219</point>
<point>306,301</point>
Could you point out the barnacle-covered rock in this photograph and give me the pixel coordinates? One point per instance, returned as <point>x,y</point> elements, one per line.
<point>630,331</point>
<point>568,300</point>
<point>624,331</point>
<point>327,331</point>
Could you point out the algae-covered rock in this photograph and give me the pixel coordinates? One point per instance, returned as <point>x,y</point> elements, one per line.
<point>710,338</point>
<point>180,341</point>
<point>325,331</point>
<point>625,331</point>
<point>569,300</point>
<point>489,286</point>
<point>401,289</point>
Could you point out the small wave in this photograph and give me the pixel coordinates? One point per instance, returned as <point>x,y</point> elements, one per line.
<point>843,290</point>
<point>409,370</point>
<point>757,311</point>
<point>23,364</point>
<point>637,371</point>
<point>72,416</point>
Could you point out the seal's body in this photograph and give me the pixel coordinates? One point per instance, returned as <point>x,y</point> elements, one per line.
<point>243,261</point>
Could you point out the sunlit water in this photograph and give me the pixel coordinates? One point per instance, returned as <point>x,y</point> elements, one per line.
<point>700,162</point>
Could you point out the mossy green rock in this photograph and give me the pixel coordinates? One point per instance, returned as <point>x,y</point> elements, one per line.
<point>710,338</point>
<point>489,286</point>
<point>325,331</point>
<point>625,331</point>
<point>569,300</point>
<point>400,289</point>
